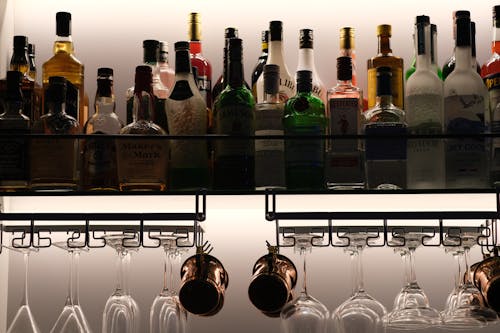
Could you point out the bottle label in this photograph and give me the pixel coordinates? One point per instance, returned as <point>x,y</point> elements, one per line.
<point>269,122</point>
<point>204,86</point>
<point>344,120</point>
<point>396,85</point>
<point>307,152</point>
<point>464,114</point>
<point>385,148</point>
<point>14,159</point>
<point>181,91</point>
<point>99,161</point>
<point>235,120</point>
<point>492,82</point>
<point>287,88</point>
<point>53,160</point>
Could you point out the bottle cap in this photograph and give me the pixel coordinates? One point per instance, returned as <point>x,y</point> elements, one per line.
<point>14,82</point>
<point>347,38</point>
<point>384,30</point>
<point>20,43</point>
<point>56,91</point>
<point>271,78</point>
<point>463,31</point>
<point>276,30</point>
<point>63,24</point>
<point>344,68</point>
<point>163,47</point>
<point>384,77</point>
<point>194,27</point>
<point>461,13</point>
<point>104,71</point>
<point>422,19</point>
<point>306,39</point>
<point>31,49</point>
<point>231,32</point>
<point>143,78</point>
<point>181,45</point>
<point>421,37</point>
<point>235,49</point>
<point>304,81</point>
<point>496,12</point>
<point>151,50</point>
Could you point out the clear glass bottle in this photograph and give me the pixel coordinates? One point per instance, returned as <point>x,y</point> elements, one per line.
<point>344,164</point>
<point>99,170</point>
<point>270,153</point>
<point>466,111</point>
<point>54,160</point>
<point>187,115</point>
<point>198,60</point>
<point>234,115</point>
<point>385,157</point>
<point>259,66</point>
<point>221,82</point>
<point>167,73</point>
<point>305,157</point>
<point>425,116</point>
<point>385,58</point>
<point>65,64</point>
<point>306,62</point>
<point>276,56</point>
<point>418,19</point>
<point>14,155</point>
<point>142,161</point>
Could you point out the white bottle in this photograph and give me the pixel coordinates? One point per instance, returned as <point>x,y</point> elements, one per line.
<point>425,116</point>
<point>276,57</point>
<point>466,109</point>
<point>306,62</point>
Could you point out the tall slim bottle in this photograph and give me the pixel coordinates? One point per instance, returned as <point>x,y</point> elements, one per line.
<point>99,165</point>
<point>234,114</point>
<point>344,164</point>
<point>187,115</point>
<point>259,66</point>
<point>466,110</point>
<point>276,57</point>
<point>425,116</point>
<point>14,155</point>
<point>306,62</point>
<point>142,161</point>
<point>198,60</point>
<point>418,19</point>
<point>270,153</point>
<point>167,73</point>
<point>385,157</point>
<point>65,64</point>
<point>54,160</point>
<point>221,82</point>
<point>490,72</point>
<point>305,157</point>
<point>385,58</point>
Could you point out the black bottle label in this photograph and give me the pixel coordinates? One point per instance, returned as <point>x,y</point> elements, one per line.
<point>181,91</point>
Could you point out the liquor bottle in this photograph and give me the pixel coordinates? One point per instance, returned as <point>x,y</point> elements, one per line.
<point>150,57</point>
<point>65,64</point>
<point>385,157</point>
<point>259,66</point>
<point>434,52</point>
<point>449,65</point>
<point>385,58</point>
<point>490,72</point>
<point>187,115</point>
<point>54,160</point>
<point>234,115</point>
<point>14,155</point>
<point>270,153</point>
<point>198,60</point>
<point>304,157</point>
<point>276,57</point>
<point>306,62</point>
<point>31,60</point>
<point>142,161</point>
<point>99,170</point>
<point>344,165</point>
<point>167,73</point>
<point>425,116</point>
<point>418,19</point>
<point>221,82</point>
<point>466,110</point>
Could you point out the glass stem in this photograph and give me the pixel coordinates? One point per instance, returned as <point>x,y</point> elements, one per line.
<point>357,270</point>
<point>69,296</point>
<point>120,283</point>
<point>166,276</point>
<point>76,278</point>
<point>303,251</point>
<point>25,292</point>
<point>466,267</point>
<point>411,278</point>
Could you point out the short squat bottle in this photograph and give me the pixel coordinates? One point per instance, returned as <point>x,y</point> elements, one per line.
<point>304,157</point>
<point>54,160</point>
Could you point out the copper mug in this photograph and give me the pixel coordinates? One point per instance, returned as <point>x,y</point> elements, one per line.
<point>487,280</point>
<point>274,277</point>
<point>203,284</point>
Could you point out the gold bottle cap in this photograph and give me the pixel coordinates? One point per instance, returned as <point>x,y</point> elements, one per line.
<point>194,27</point>
<point>347,38</point>
<point>384,30</point>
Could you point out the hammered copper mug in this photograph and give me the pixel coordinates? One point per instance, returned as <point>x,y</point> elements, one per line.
<point>203,284</point>
<point>274,277</point>
<point>487,280</point>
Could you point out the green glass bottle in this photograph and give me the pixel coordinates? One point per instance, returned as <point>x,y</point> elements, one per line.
<point>234,115</point>
<point>304,115</point>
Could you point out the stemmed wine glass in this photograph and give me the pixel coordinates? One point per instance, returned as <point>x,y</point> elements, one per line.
<point>411,306</point>
<point>121,313</point>
<point>24,321</point>
<point>166,314</point>
<point>466,308</point>
<point>361,312</point>
<point>72,319</point>
<point>304,314</point>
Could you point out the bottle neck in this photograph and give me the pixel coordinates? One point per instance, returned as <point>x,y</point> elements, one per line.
<point>56,107</point>
<point>434,48</point>
<point>306,60</point>
<point>182,62</point>
<point>195,46</point>
<point>143,105</point>
<point>495,45</point>
<point>345,83</point>
<point>384,101</point>
<point>235,76</point>
<point>384,45</point>
<point>463,57</point>
<point>276,54</point>
<point>272,98</point>
<point>105,98</point>
<point>264,47</point>
<point>422,48</point>
<point>63,44</point>
<point>19,62</point>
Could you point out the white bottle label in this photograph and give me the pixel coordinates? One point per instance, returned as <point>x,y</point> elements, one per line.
<point>344,115</point>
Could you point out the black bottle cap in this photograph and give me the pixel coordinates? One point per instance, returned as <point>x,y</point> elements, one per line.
<point>344,68</point>
<point>421,38</point>
<point>304,81</point>
<point>231,32</point>
<point>306,39</point>
<point>105,71</point>
<point>182,45</point>
<point>63,24</point>
<point>14,82</point>
<point>264,36</point>
<point>422,19</point>
<point>20,43</point>
<point>271,78</point>
<point>57,89</point>
<point>463,31</point>
<point>235,49</point>
<point>151,50</point>
<point>182,58</point>
<point>496,12</point>
<point>31,49</point>
<point>461,13</point>
<point>276,30</point>
<point>143,78</point>
<point>384,76</point>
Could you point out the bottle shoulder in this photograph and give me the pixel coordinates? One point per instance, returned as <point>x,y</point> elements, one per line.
<point>424,81</point>
<point>464,82</point>
<point>235,96</point>
<point>384,114</point>
<point>103,123</point>
<point>491,66</point>
<point>57,123</point>
<point>304,104</point>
